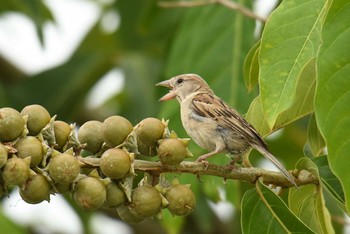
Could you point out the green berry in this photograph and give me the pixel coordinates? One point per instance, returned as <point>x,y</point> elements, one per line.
<point>148,132</point>
<point>11,124</point>
<point>15,171</point>
<point>145,202</point>
<point>181,200</point>
<point>30,147</point>
<point>115,196</point>
<point>172,151</point>
<point>3,155</point>
<point>62,132</point>
<point>89,193</point>
<point>115,163</point>
<point>90,134</point>
<point>64,168</point>
<point>115,129</point>
<point>36,189</point>
<point>38,117</point>
<point>127,216</point>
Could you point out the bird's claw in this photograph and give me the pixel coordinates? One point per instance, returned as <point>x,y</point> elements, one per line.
<point>205,162</point>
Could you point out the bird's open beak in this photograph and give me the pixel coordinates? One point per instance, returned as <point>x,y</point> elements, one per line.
<point>171,94</point>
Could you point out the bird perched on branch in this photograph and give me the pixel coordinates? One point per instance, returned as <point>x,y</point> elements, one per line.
<point>212,124</point>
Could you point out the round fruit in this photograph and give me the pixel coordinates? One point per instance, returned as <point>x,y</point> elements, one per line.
<point>36,189</point>
<point>115,163</point>
<point>62,131</point>
<point>149,131</point>
<point>38,117</point>
<point>30,147</point>
<point>90,134</point>
<point>172,151</point>
<point>126,215</point>
<point>64,168</point>
<point>3,155</point>
<point>145,202</point>
<point>11,124</point>
<point>16,171</point>
<point>181,199</point>
<point>115,196</point>
<point>89,193</point>
<point>115,129</point>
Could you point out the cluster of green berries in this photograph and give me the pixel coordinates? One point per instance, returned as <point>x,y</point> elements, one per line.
<point>44,156</point>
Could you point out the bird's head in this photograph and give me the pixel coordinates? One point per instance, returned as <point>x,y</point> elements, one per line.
<point>183,85</point>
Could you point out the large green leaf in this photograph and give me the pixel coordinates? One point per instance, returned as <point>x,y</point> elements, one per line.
<point>301,106</point>
<point>290,41</point>
<point>257,117</point>
<point>333,91</point>
<point>264,212</point>
<point>308,203</point>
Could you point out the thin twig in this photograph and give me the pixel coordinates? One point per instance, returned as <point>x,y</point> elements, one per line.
<point>227,3</point>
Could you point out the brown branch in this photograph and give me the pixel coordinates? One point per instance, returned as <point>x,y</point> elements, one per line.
<point>227,3</point>
<point>249,174</point>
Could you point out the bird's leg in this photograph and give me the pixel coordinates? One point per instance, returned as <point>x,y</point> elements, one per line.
<point>232,163</point>
<point>207,155</point>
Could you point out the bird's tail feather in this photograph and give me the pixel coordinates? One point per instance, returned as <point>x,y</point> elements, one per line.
<point>274,160</point>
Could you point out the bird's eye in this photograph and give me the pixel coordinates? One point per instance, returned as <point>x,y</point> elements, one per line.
<point>179,81</point>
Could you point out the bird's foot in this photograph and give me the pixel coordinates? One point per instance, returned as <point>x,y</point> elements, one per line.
<point>234,164</point>
<point>205,162</point>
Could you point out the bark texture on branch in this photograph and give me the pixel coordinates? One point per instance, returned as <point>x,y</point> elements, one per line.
<point>249,174</point>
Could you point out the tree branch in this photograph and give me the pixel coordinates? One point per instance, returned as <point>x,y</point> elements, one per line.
<point>227,3</point>
<point>250,174</point>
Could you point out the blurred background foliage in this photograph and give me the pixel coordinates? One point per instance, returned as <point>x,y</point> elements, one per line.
<point>152,44</point>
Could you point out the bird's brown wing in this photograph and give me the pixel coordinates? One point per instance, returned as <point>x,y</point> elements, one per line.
<point>210,106</point>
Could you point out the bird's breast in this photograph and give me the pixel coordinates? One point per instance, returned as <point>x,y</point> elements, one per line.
<point>202,130</point>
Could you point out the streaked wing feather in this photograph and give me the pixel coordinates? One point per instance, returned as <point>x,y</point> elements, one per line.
<point>211,106</point>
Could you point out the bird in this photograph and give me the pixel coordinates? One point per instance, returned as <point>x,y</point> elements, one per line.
<point>212,124</point>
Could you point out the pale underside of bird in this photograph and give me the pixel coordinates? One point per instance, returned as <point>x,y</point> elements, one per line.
<point>212,124</point>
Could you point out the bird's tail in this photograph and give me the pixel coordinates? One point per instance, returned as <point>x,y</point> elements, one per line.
<point>274,160</point>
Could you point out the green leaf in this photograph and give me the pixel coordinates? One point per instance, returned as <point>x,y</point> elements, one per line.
<point>290,40</point>
<point>308,203</point>
<point>315,140</point>
<point>329,181</point>
<point>301,106</point>
<point>251,67</point>
<point>333,95</point>
<point>257,117</point>
<point>264,212</point>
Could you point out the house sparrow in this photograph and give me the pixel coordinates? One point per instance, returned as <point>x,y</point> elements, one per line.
<point>212,124</point>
